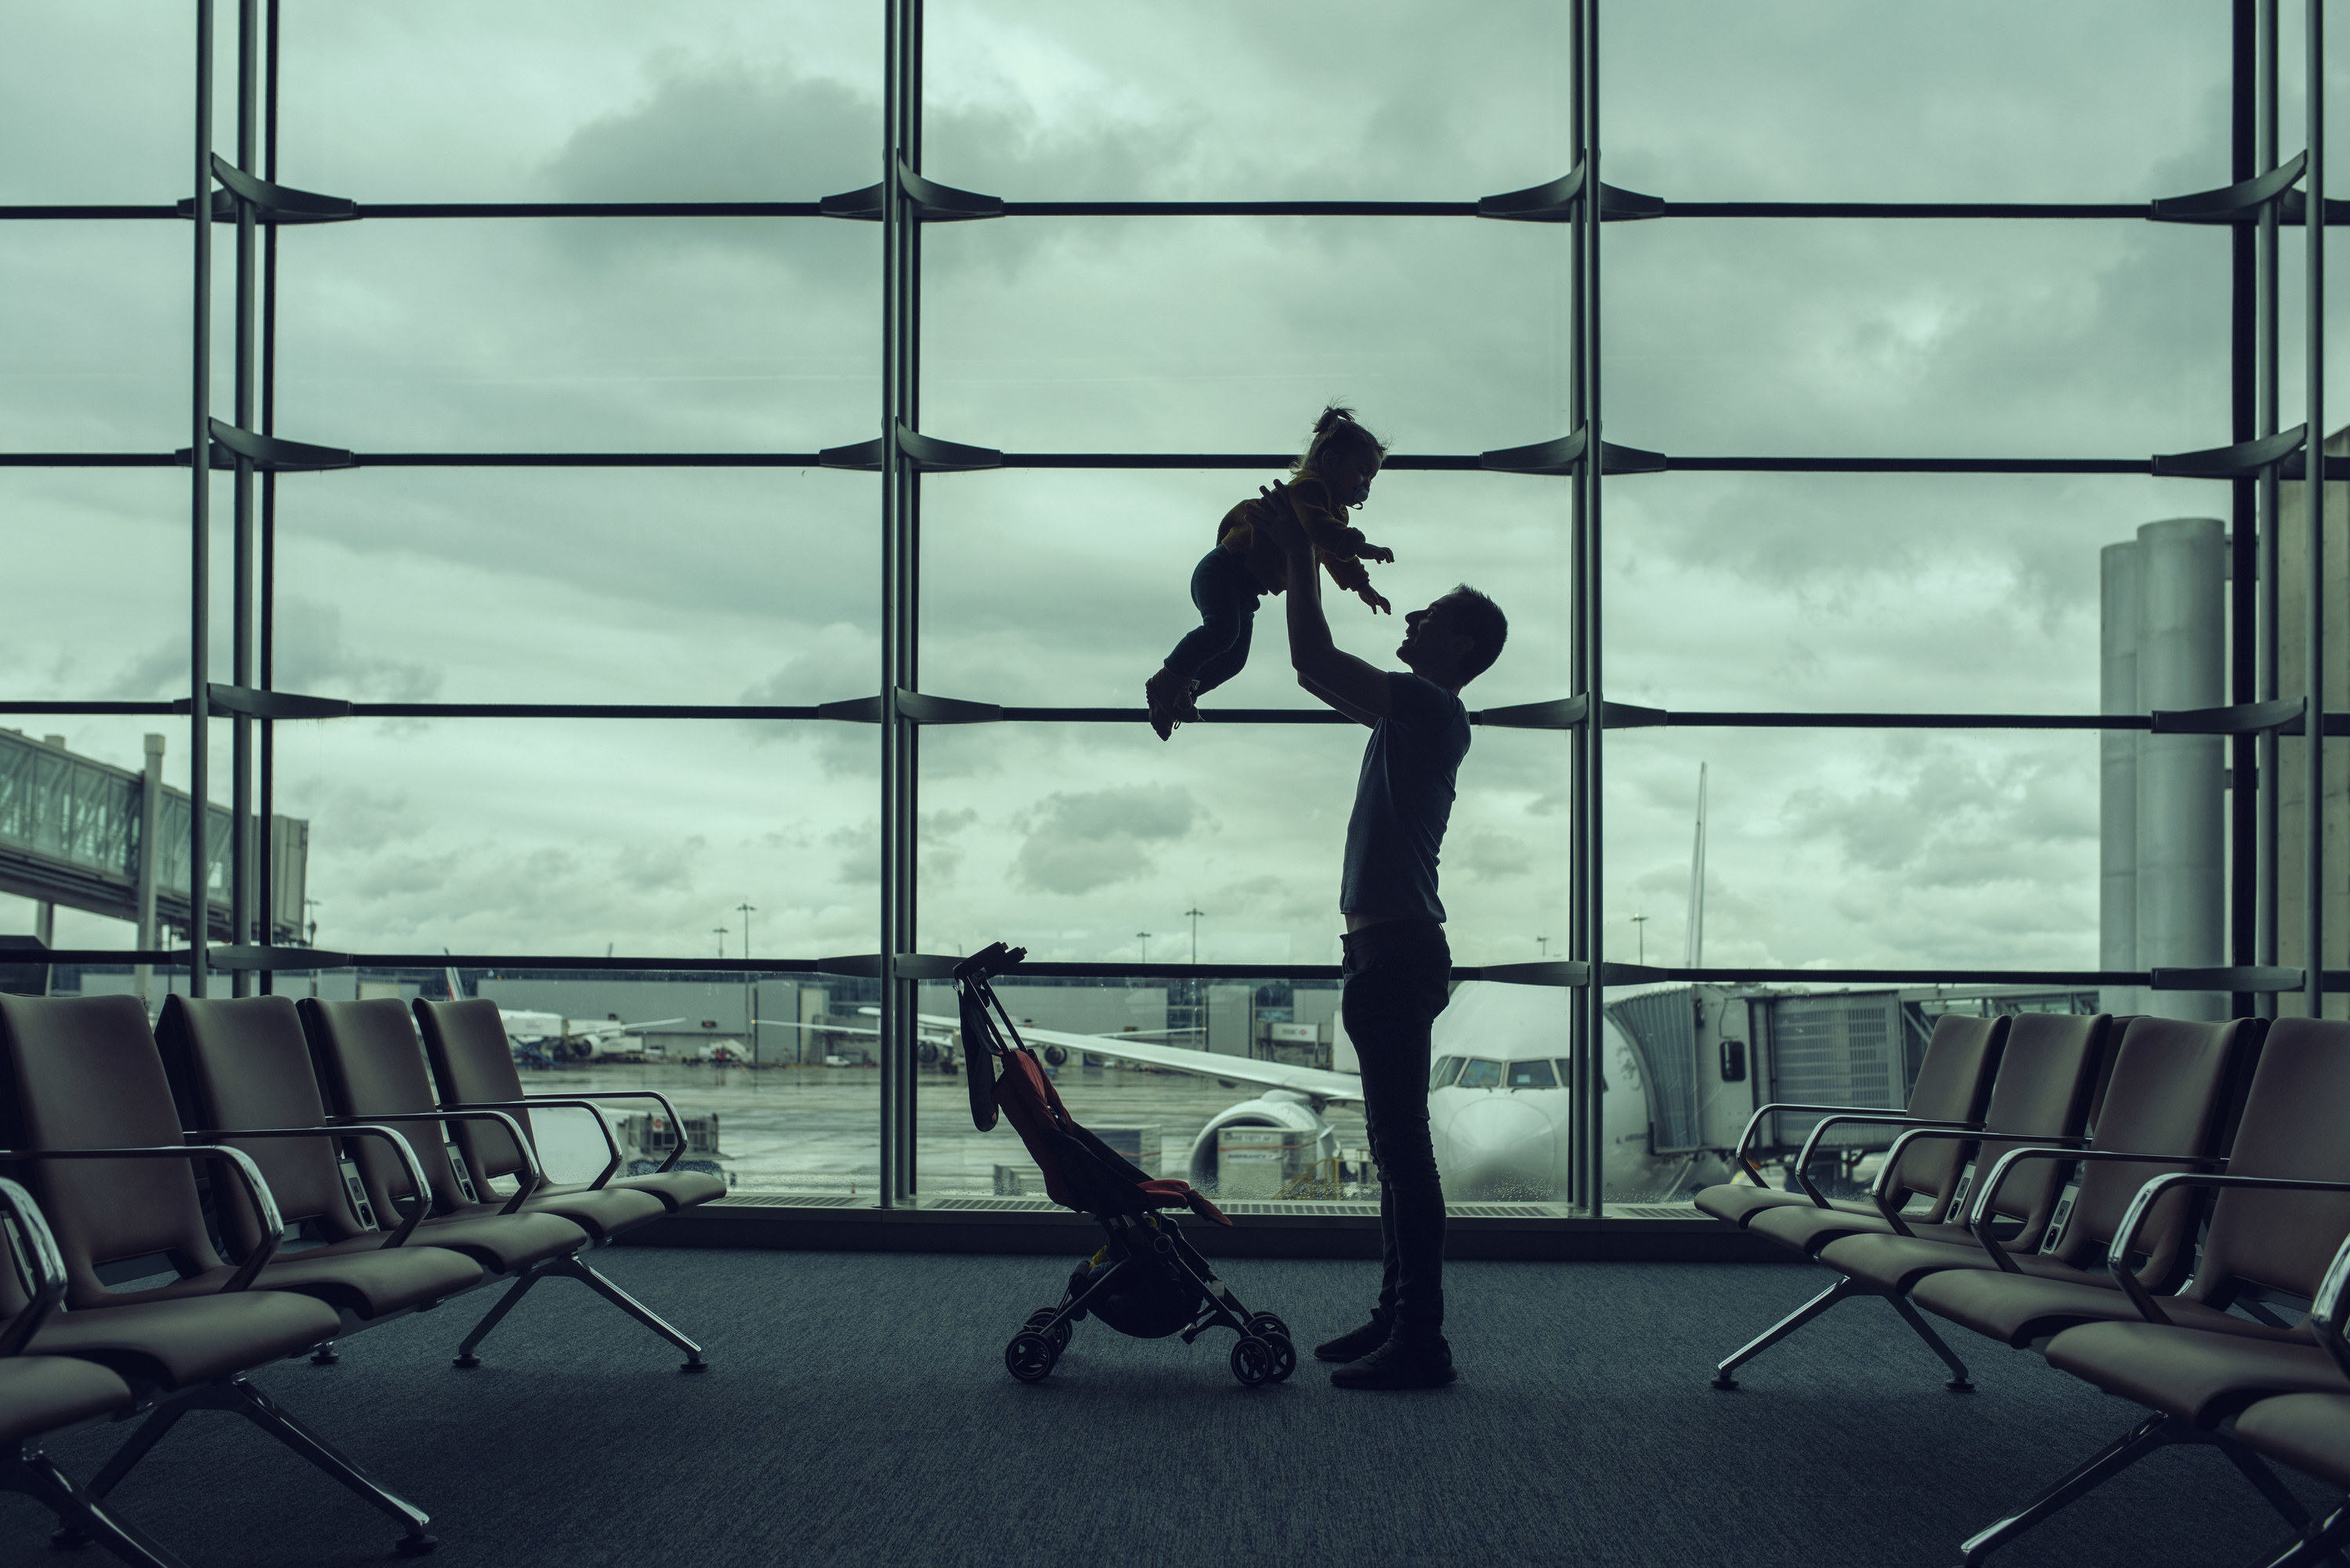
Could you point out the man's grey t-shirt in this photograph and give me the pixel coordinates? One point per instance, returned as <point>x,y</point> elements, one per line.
<point>1402,802</point>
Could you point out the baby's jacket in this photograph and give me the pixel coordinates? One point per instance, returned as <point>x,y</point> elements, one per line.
<point>1336,542</point>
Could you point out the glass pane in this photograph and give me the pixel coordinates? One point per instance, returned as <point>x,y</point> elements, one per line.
<point>551,836</point>
<point>1217,1126</point>
<point>1869,593</point>
<point>1231,334</point>
<point>98,584</point>
<point>95,100</point>
<point>1224,100</point>
<point>1852,849</point>
<point>551,100</point>
<point>95,336</point>
<point>573,334</point>
<point>1846,337</point>
<point>1874,103</point>
<point>698,585</point>
<point>1091,843</point>
<point>1016,612</point>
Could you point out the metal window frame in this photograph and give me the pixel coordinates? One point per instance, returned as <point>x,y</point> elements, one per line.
<point>2256,207</point>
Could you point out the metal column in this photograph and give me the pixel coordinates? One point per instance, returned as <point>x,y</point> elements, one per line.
<point>241,834</point>
<point>264,856</point>
<point>1590,1031</point>
<point>200,465</point>
<point>2250,782</point>
<point>901,511</point>
<point>2313,467</point>
<point>2265,425</point>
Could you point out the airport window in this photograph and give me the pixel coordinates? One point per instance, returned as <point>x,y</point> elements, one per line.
<point>657,579</point>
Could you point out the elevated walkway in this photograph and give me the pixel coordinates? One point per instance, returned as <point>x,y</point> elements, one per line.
<point>76,831</point>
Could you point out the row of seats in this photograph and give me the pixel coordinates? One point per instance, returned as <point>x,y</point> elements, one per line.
<point>2158,1207</point>
<point>288,1175</point>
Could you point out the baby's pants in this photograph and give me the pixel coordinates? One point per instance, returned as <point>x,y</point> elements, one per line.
<point>1226,592</point>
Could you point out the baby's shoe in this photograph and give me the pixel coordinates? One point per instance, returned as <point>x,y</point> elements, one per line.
<point>1169,696</point>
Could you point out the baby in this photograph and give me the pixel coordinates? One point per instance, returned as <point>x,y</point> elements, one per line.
<point>1246,564</point>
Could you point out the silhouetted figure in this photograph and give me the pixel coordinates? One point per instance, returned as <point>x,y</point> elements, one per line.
<point>1335,474</point>
<point>1398,965</point>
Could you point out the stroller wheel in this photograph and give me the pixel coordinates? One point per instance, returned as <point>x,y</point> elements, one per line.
<point>1030,1357</point>
<point>1254,1360</point>
<point>1265,1326</point>
<point>1285,1356</point>
<point>1059,1333</point>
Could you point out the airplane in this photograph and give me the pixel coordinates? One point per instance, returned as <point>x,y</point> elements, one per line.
<point>549,1039</point>
<point>1498,1104</point>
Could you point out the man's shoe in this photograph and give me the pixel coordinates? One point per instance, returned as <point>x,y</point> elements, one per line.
<point>1399,1364</point>
<point>1360,1343</point>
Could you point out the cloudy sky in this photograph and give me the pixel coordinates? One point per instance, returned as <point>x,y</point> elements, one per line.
<point>1723,591</point>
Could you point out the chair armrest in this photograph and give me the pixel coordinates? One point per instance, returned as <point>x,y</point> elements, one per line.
<point>2134,1221</point>
<point>662,1100</point>
<point>1979,1216</point>
<point>1881,1193</point>
<point>399,1145</point>
<point>1754,1122</point>
<point>536,1180</point>
<point>2327,1307</point>
<point>558,1101</point>
<point>45,1268</point>
<point>264,1203</point>
<point>1884,1118</point>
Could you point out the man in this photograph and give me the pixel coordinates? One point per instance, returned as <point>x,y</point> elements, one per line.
<point>1398,965</point>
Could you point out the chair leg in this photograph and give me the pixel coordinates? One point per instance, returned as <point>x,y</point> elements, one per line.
<point>1843,1290</point>
<point>2154,1432</point>
<point>1959,1382</point>
<point>2321,1544</point>
<point>506,1303</point>
<point>263,1412</point>
<point>83,1517</point>
<point>2264,1481</point>
<point>577,1268</point>
<point>134,1448</point>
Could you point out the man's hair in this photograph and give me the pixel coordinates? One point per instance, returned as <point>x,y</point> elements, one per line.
<point>1478,619</point>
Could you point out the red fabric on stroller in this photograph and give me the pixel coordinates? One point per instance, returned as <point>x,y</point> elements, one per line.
<point>1071,1159</point>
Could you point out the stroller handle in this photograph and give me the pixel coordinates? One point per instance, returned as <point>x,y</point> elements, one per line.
<point>989,961</point>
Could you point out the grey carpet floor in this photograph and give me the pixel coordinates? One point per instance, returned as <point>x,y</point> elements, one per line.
<point>857,1413</point>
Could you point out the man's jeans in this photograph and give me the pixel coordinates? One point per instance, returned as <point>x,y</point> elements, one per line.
<point>1397,975</point>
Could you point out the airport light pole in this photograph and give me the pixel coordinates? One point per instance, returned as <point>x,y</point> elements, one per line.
<point>750,983</point>
<point>1144,938</point>
<point>1193,915</point>
<point>720,931</point>
<point>1640,925</point>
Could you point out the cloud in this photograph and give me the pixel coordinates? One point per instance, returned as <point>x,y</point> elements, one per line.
<point>1081,843</point>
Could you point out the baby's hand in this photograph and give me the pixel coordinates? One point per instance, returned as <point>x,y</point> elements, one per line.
<point>1378,552</point>
<point>1372,597</point>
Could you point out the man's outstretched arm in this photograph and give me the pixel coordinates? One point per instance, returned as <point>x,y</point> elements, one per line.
<point>1356,689</point>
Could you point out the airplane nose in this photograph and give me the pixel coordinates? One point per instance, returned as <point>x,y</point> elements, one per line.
<point>1501,1147</point>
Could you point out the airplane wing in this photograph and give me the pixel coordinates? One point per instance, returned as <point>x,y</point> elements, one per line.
<point>1312,1082</point>
<point>640,1028</point>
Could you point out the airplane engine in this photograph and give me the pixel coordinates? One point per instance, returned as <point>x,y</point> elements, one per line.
<point>1275,1108</point>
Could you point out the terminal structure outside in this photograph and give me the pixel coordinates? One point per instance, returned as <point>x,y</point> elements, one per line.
<point>2280,884</point>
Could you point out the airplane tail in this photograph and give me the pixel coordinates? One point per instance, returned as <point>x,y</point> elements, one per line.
<point>456,986</point>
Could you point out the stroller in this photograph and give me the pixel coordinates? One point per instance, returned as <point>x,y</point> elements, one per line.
<point>1147,1280</point>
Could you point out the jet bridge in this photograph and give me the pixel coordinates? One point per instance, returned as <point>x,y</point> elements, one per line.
<point>93,837</point>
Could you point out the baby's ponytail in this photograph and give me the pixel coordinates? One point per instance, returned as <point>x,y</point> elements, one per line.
<point>1337,431</point>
